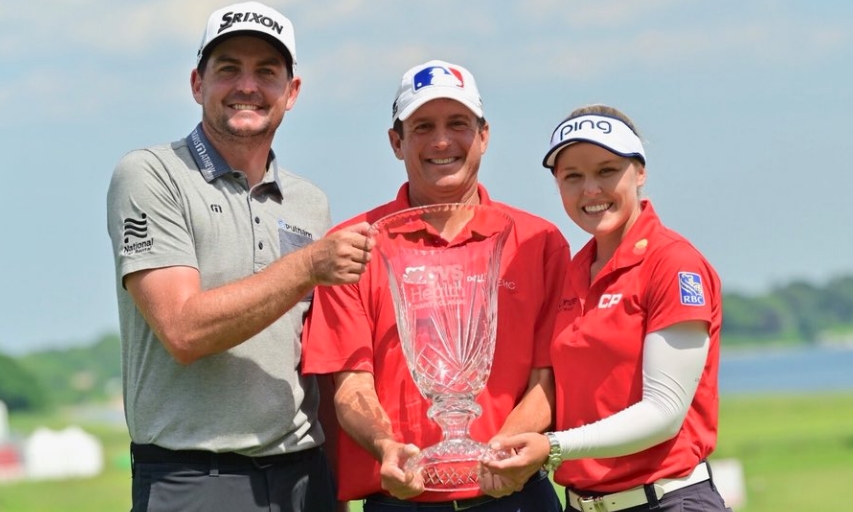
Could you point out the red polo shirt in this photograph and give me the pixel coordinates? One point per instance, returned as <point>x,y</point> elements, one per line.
<point>655,279</point>
<point>353,327</point>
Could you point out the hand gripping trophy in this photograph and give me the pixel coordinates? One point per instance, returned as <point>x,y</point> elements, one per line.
<point>443,264</point>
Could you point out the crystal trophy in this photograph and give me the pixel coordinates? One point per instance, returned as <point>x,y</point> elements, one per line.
<point>443,264</point>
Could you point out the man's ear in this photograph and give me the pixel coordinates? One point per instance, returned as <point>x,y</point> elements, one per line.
<point>396,143</point>
<point>195,85</point>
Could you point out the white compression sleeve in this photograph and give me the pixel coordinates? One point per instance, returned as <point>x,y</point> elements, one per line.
<point>673,361</point>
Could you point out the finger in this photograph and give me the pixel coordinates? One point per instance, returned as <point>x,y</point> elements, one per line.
<point>507,443</point>
<point>361,244</point>
<point>495,465</point>
<point>497,487</point>
<point>394,473</point>
<point>365,257</point>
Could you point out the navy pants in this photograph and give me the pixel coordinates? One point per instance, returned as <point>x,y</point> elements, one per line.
<point>303,484</point>
<point>538,495</point>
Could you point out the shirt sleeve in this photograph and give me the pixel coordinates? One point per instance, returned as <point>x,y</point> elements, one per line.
<point>673,361</point>
<point>337,335</point>
<point>146,219</point>
<point>680,287</point>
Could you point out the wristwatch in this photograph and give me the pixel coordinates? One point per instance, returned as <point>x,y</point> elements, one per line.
<point>555,456</point>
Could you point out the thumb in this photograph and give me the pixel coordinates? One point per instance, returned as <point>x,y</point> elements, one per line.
<point>361,228</point>
<point>410,450</point>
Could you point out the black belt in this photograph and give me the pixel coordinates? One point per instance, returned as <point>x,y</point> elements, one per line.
<point>463,504</point>
<point>151,453</point>
<point>426,505</point>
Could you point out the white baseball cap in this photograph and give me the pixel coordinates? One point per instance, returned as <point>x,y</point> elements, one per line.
<point>249,18</point>
<point>432,80</point>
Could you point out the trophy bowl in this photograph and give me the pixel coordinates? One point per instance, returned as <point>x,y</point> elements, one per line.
<point>443,264</point>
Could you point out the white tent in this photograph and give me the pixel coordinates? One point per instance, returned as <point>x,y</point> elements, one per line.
<point>69,453</point>
<point>4,422</point>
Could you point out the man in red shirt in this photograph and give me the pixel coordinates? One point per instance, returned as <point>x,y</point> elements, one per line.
<point>439,132</point>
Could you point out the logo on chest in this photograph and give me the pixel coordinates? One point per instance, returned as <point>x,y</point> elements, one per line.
<point>608,300</point>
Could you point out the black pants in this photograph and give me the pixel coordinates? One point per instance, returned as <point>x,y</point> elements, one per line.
<point>170,481</point>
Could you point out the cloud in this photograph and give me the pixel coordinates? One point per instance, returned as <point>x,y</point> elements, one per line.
<point>599,14</point>
<point>331,14</point>
<point>111,28</point>
<point>675,48</point>
<point>93,52</point>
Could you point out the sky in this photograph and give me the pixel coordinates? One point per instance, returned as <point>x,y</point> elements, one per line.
<point>744,108</point>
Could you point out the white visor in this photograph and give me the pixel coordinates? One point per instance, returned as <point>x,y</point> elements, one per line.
<point>608,132</point>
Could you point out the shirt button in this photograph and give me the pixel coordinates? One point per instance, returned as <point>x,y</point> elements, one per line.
<point>260,245</point>
<point>257,220</point>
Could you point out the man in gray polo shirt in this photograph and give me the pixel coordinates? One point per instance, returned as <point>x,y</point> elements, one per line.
<point>217,251</point>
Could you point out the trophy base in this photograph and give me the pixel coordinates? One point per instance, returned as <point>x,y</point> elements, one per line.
<point>451,465</point>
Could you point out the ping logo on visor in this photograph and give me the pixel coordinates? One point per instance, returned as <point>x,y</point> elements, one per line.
<point>437,75</point>
<point>690,288</point>
<point>569,127</point>
<point>608,132</point>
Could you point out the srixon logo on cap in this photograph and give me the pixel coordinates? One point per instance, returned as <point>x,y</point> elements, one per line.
<point>570,127</point>
<point>230,18</point>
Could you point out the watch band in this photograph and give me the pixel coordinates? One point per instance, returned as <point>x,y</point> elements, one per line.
<point>555,456</point>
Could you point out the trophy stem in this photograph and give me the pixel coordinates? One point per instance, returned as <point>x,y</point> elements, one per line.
<point>454,414</point>
<point>453,463</point>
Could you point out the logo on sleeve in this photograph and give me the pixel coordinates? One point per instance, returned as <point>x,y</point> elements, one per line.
<point>690,288</point>
<point>136,228</point>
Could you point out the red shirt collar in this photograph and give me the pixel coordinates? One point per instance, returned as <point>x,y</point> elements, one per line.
<point>631,251</point>
<point>424,234</point>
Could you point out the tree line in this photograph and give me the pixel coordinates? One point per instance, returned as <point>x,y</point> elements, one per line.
<point>797,312</point>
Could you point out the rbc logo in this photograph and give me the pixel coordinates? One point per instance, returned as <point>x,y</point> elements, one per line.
<point>690,288</point>
<point>437,75</point>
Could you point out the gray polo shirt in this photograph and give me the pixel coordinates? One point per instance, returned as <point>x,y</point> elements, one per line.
<point>181,204</point>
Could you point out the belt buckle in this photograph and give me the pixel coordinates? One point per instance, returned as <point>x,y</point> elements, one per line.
<point>593,504</point>
<point>460,505</point>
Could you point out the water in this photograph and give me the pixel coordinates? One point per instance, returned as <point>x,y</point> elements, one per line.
<point>801,369</point>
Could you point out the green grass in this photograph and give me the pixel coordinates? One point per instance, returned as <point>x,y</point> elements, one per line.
<point>796,451</point>
<point>109,491</point>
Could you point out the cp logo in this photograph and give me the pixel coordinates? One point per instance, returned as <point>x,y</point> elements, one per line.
<point>609,300</point>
